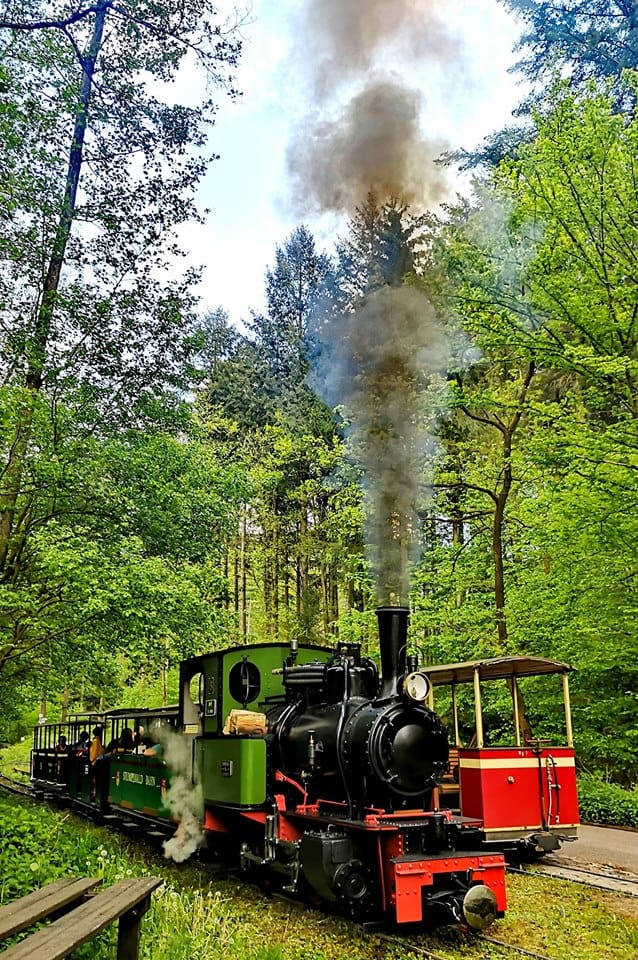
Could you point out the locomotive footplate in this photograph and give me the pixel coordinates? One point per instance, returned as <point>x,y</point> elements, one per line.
<point>423,821</point>
<point>435,832</point>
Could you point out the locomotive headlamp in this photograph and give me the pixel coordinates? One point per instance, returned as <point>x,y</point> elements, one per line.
<point>416,687</point>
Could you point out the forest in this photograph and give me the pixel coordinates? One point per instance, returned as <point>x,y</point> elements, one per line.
<point>171,483</point>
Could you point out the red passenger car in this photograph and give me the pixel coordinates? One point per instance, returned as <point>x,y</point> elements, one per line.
<point>523,792</point>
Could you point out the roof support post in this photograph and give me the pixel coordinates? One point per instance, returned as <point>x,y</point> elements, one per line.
<point>455,712</point>
<point>517,728</point>
<point>478,711</point>
<point>568,711</point>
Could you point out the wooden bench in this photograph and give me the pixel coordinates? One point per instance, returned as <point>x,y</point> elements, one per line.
<point>448,786</point>
<point>81,919</point>
<point>451,778</point>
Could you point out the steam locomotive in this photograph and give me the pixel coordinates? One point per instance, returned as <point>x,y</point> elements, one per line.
<point>324,777</point>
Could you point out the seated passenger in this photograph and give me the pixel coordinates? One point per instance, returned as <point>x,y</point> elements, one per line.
<point>96,749</point>
<point>124,743</point>
<point>142,740</point>
<point>61,745</point>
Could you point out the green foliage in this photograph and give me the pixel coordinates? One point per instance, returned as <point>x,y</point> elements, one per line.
<point>594,39</point>
<point>140,531</point>
<point>600,801</point>
<point>125,559</point>
<point>573,189</point>
<point>541,271</point>
<point>260,379</point>
<point>108,533</point>
<point>15,757</point>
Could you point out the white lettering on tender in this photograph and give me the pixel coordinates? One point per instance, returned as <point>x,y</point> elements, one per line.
<point>132,777</point>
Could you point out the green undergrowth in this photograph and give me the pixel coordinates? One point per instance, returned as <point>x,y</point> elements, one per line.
<point>602,802</point>
<point>196,914</point>
<point>14,760</point>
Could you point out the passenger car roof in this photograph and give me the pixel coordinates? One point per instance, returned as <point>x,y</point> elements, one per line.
<point>497,668</point>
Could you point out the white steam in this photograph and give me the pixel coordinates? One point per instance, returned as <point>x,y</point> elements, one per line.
<point>184,799</point>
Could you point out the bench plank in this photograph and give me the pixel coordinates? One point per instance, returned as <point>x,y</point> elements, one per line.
<point>58,939</point>
<point>23,913</point>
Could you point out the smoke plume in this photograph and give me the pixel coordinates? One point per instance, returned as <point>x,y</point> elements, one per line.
<point>380,357</point>
<point>343,39</point>
<point>375,145</point>
<point>184,799</point>
<point>381,367</point>
<point>374,142</point>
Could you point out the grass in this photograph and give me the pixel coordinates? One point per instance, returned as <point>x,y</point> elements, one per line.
<point>194,914</point>
<point>14,760</point>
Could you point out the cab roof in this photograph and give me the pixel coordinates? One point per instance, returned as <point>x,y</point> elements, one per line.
<point>497,668</point>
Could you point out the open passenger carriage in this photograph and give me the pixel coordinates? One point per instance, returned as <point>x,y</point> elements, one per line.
<point>61,762</point>
<point>523,791</point>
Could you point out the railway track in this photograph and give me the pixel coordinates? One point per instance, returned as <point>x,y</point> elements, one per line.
<point>608,879</point>
<point>422,951</point>
<point>451,937</point>
<point>17,787</point>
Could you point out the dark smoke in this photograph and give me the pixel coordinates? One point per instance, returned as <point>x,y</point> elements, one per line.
<point>340,153</point>
<point>380,367</point>
<point>365,136</point>
<point>341,39</point>
<point>375,145</point>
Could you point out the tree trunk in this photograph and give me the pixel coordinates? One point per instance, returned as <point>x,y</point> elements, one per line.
<point>523,719</point>
<point>497,559</point>
<point>286,572</point>
<point>334,597</point>
<point>275,582</point>
<point>37,354</point>
<point>243,604</point>
<point>64,704</point>
<point>236,580</point>
<point>303,564</point>
<point>164,682</point>
<point>500,498</point>
<point>325,597</point>
<point>266,590</point>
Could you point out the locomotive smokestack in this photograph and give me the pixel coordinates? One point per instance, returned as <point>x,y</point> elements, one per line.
<point>393,639</point>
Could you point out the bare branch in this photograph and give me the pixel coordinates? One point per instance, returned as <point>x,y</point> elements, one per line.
<point>57,24</point>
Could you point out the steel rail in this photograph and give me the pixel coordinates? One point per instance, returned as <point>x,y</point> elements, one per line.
<point>613,882</point>
<point>432,955</point>
<point>15,786</point>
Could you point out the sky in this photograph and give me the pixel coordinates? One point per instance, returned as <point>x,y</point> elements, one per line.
<point>248,190</point>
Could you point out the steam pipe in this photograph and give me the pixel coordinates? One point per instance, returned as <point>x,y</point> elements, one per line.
<point>393,638</point>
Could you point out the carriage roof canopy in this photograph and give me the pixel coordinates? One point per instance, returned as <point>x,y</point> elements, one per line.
<point>497,668</point>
